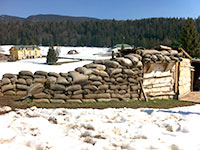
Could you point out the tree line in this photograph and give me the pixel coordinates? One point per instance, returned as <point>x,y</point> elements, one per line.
<point>140,33</point>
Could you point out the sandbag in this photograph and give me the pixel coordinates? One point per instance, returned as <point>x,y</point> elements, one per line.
<point>60,96</point>
<point>73,87</point>
<point>41,96</point>
<point>7,87</point>
<point>111,63</point>
<point>40,100</point>
<point>90,87</point>
<point>21,93</point>
<point>84,70</point>
<point>78,96</point>
<point>103,87</point>
<point>54,74</point>
<point>26,73</point>
<point>78,78</point>
<point>10,93</point>
<point>124,62</point>
<point>21,81</point>
<point>35,88</point>
<point>21,86</point>
<point>62,80</point>
<point>42,73</point>
<point>58,87</point>
<point>96,66</point>
<point>5,81</point>
<point>95,78</point>
<point>9,75</point>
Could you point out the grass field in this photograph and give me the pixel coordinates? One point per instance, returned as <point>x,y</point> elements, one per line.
<point>10,101</point>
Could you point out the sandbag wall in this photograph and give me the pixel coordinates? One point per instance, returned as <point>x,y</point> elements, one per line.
<point>102,80</point>
<point>159,72</point>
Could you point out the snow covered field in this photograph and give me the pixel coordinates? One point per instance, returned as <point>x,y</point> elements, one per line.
<point>134,129</point>
<point>33,65</point>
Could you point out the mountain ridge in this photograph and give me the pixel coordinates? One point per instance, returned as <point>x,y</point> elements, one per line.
<point>46,17</point>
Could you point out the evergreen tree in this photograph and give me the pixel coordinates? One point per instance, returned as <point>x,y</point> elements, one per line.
<point>51,56</point>
<point>190,38</point>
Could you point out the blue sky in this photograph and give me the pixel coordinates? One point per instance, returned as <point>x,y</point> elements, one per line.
<point>103,9</point>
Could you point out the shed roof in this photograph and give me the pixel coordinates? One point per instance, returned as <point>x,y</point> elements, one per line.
<point>19,47</point>
<point>120,45</point>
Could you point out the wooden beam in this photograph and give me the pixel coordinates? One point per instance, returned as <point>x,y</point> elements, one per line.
<point>176,77</point>
<point>143,92</point>
<point>185,53</point>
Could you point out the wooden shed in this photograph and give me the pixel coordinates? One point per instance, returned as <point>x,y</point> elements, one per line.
<point>168,74</point>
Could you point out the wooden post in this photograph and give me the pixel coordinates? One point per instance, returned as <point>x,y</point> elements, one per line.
<point>142,90</point>
<point>176,79</point>
<point>113,54</point>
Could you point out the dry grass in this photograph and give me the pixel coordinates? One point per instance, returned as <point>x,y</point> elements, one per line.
<point>10,101</point>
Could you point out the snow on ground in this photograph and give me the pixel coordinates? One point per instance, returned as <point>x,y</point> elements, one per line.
<point>91,53</point>
<point>75,129</point>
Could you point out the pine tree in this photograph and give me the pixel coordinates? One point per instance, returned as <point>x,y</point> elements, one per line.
<point>190,38</point>
<point>51,56</point>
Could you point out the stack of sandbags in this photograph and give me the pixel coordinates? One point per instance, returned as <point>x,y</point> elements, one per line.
<point>8,86</point>
<point>24,80</point>
<point>151,56</point>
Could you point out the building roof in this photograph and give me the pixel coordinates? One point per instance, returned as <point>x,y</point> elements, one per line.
<point>120,45</point>
<point>19,47</point>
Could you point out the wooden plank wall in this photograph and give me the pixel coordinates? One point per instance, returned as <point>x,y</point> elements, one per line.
<point>159,83</point>
<point>185,79</point>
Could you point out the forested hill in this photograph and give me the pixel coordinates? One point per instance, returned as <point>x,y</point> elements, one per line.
<point>141,33</point>
<point>45,17</point>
